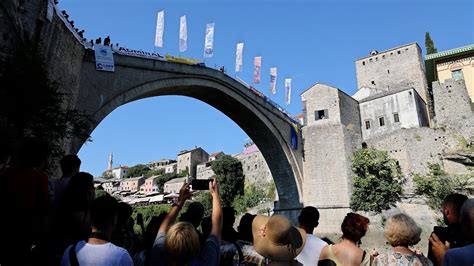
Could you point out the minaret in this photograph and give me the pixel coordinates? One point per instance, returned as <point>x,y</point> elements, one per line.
<point>110,161</point>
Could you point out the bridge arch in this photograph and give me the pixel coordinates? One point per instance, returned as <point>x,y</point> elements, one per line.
<point>268,128</point>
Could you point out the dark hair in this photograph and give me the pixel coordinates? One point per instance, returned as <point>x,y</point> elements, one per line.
<point>103,212</point>
<point>228,216</point>
<point>245,227</point>
<point>309,216</point>
<point>456,200</point>
<point>124,213</point>
<point>70,163</point>
<point>354,227</point>
<point>79,192</point>
<point>193,214</point>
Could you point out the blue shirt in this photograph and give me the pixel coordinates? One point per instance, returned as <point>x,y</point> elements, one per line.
<point>460,256</point>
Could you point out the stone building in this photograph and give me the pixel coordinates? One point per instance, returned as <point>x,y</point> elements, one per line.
<point>171,168</point>
<point>174,185</point>
<point>391,110</point>
<point>331,134</point>
<point>399,67</point>
<point>254,166</point>
<point>150,186</point>
<point>204,170</point>
<point>388,112</point>
<point>132,184</point>
<point>117,172</point>
<point>160,164</point>
<point>457,64</point>
<point>189,159</point>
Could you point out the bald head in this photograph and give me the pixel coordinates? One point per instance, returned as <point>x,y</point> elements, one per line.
<point>467,218</point>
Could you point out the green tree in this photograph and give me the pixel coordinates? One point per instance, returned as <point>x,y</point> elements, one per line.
<point>138,170</point>
<point>230,177</point>
<point>205,198</point>
<point>154,172</point>
<point>378,181</point>
<point>438,184</point>
<point>163,179</point>
<point>253,196</point>
<point>429,44</point>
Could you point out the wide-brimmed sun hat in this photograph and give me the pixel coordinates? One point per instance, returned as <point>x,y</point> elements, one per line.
<point>275,238</point>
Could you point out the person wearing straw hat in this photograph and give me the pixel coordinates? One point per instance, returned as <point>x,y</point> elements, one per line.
<point>277,240</point>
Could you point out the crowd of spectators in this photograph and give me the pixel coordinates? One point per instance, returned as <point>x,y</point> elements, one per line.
<point>58,221</point>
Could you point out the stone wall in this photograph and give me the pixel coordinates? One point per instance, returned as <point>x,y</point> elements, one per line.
<point>401,66</point>
<point>416,147</point>
<point>453,107</point>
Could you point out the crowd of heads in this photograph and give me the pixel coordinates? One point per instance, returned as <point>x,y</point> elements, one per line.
<point>75,217</point>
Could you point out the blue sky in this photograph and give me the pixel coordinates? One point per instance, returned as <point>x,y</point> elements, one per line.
<point>309,41</point>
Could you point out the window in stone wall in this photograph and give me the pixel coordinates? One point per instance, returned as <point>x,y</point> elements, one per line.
<point>388,71</point>
<point>373,82</point>
<point>396,119</point>
<point>457,74</point>
<point>321,114</point>
<point>381,121</point>
<point>363,63</point>
<point>367,124</point>
<point>398,52</point>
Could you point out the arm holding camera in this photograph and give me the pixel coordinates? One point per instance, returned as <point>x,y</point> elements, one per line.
<point>216,208</point>
<point>184,194</point>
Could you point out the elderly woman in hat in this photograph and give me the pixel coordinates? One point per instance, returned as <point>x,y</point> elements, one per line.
<point>277,240</point>
<point>347,252</point>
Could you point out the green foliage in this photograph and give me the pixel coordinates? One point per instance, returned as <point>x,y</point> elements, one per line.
<point>438,184</point>
<point>205,198</point>
<point>184,173</point>
<point>429,44</point>
<point>100,192</point>
<point>230,177</point>
<point>154,172</point>
<point>378,181</point>
<point>138,170</point>
<point>32,105</point>
<point>149,211</point>
<point>271,191</point>
<point>253,196</point>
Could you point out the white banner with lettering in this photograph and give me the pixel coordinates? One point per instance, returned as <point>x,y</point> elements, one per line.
<point>183,34</point>
<point>238,57</point>
<point>209,40</point>
<point>287,91</point>
<point>273,80</point>
<point>160,28</point>
<point>104,58</point>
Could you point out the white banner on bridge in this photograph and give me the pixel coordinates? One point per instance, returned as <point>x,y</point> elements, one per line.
<point>104,58</point>
<point>50,10</point>
<point>238,57</point>
<point>209,40</point>
<point>273,80</point>
<point>183,34</point>
<point>160,28</point>
<point>287,91</point>
<point>257,65</point>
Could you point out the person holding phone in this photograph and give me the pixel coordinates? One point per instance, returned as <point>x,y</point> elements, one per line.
<point>179,243</point>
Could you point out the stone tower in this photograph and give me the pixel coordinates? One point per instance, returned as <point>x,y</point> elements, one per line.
<point>395,68</point>
<point>109,167</point>
<point>331,134</point>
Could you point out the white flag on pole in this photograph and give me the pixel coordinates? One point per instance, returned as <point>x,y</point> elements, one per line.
<point>160,27</point>
<point>273,80</point>
<point>238,57</point>
<point>209,40</point>
<point>257,65</point>
<point>287,91</point>
<point>183,34</point>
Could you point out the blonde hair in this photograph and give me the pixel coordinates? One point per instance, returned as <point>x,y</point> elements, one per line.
<point>402,230</point>
<point>182,242</point>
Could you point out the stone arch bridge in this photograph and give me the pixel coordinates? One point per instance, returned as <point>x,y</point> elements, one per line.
<point>137,78</point>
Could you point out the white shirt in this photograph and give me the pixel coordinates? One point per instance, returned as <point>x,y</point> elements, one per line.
<point>311,250</point>
<point>104,255</point>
